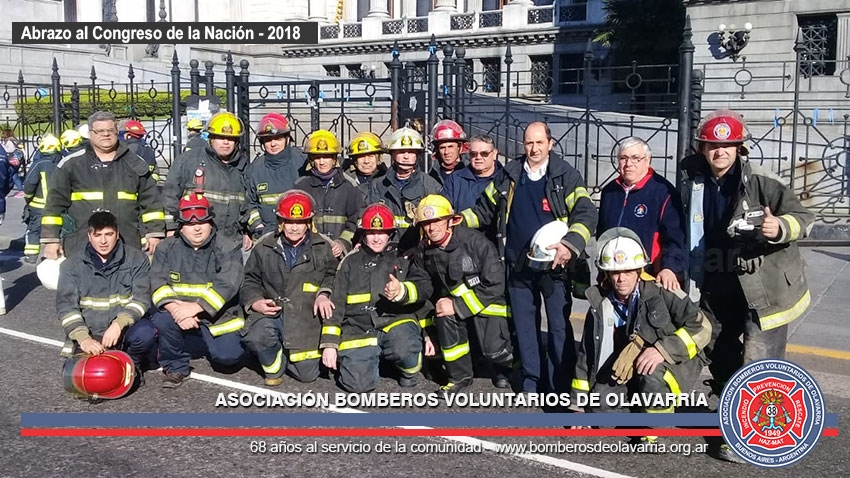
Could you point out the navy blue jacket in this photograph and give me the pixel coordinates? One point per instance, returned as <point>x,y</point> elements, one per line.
<point>5,187</point>
<point>463,187</point>
<point>653,210</point>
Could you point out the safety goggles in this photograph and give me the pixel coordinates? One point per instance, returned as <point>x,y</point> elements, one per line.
<point>195,214</point>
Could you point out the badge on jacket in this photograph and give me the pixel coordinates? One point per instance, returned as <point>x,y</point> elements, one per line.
<point>174,276</point>
<point>546,207</point>
<point>410,209</point>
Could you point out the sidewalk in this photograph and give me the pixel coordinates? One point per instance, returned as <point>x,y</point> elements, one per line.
<point>13,230</point>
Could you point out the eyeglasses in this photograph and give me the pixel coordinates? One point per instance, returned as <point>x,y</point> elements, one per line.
<point>631,159</point>
<point>483,154</point>
<point>104,132</point>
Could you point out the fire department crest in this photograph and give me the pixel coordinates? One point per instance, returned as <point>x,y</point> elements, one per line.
<point>270,128</point>
<point>362,146</point>
<point>322,145</point>
<point>377,222</point>
<point>722,131</point>
<point>640,210</point>
<point>771,413</point>
<point>619,257</point>
<point>227,129</point>
<point>296,211</point>
<point>406,141</point>
<point>428,212</point>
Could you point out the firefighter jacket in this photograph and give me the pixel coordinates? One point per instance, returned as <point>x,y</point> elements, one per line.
<point>91,296</point>
<point>364,183</point>
<point>668,321</point>
<point>209,276</point>
<point>82,184</point>
<point>403,202</point>
<point>770,272</point>
<point>467,269</point>
<point>338,206</point>
<point>564,190</point>
<point>361,309</point>
<point>223,185</point>
<point>268,177</point>
<point>145,152</point>
<point>294,287</point>
<point>37,182</point>
<point>196,141</point>
<point>439,174</point>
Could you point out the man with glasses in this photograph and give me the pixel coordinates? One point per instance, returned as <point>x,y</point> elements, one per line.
<point>643,201</point>
<point>465,186</point>
<point>104,175</point>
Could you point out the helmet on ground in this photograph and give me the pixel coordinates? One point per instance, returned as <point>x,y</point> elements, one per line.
<point>83,129</point>
<point>225,125</point>
<point>448,130</point>
<point>322,141</point>
<point>70,138</point>
<point>295,205</point>
<point>377,217</point>
<point>108,375</point>
<point>49,144</point>
<point>48,272</point>
<point>723,126</point>
<point>194,208</point>
<point>433,207</point>
<point>365,143</point>
<point>620,249</point>
<point>134,129</point>
<point>272,125</point>
<point>406,139</point>
<point>194,124</point>
<point>539,256</point>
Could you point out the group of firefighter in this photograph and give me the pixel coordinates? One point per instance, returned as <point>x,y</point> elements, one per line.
<point>309,263</point>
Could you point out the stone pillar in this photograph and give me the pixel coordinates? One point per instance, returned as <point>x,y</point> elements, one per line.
<point>474,6</point>
<point>350,11</point>
<point>521,2</point>
<point>843,45</point>
<point>378,8</point>
<point>445,6</point>
<point>318,12</point>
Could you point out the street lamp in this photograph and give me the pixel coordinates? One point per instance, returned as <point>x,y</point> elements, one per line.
<point>732,40</point>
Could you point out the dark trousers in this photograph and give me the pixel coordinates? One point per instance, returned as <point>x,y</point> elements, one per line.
<point>667,378</point>
<point>178,346</point>
<point>264,339</point>
<point>359,366</point>
<point>33,246</point>
<point>138,340</point>
<point>556,348</point>
<point>722,295</point>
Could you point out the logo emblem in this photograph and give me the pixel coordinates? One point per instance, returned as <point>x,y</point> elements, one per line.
<point>362,146</point>
<point>428,212</point>
<point>406,141</point>
<point>619,257</point>
<point>174,276</point>
<point>722,131</point>
<point>640,210</point>
<point>262,187</point>
<point>296,211</point>
<point>771,413</point>
<point>322,145</point>
<point>227,129</point>
<point>270,128</point>
<point>377,222</point>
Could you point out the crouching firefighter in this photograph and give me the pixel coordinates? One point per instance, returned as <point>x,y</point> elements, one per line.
<point>286,293</point>
<point>195,278</point>
<point>638,336</point>
<point>459,269</point>
<point>370,326</point>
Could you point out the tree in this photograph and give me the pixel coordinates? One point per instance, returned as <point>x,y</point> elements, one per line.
<point>646,31</point>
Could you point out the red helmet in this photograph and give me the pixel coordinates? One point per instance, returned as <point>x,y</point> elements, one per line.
<point>134,129</point>
<point>108,375</point>
<point>723,126</point>
<point>194,208</point>
<point>273,124</point>
<point>448,130</point>
<point>295,205</point>
<point>377,217</point>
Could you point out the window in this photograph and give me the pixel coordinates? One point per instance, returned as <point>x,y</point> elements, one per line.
<point>492,76</point>
<point>570,73</point>
<point>541,75</point>
<point>820,39</point>
<point>355,71</point>
<point>332,70</point>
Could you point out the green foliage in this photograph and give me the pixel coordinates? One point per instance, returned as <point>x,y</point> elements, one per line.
<point>646,31</point>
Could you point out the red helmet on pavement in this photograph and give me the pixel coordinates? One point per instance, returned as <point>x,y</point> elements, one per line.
<point>377,217</point>
<point>273,124</point>
<point>194,208</point>
<point>723,126</point>
<point>135,129</point>
<point>108,375</point>
<point>295,205</point>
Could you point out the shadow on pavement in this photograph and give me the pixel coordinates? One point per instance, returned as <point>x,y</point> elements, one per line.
<point>834,255</point>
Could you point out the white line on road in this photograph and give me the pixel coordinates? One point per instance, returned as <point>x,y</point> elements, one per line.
<point>486,445</point>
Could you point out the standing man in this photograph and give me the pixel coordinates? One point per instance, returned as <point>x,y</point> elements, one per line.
<point>105,175</point>
<point>36,186</point>
<point>644,202</point>
<point>272,174</point>
<point>216,172</point>
<point>134,135</point>
<point>365,152</point>
<point>528,193</point>
<point>195,136</point>
<point>744,224</point>
<point>449,141</point>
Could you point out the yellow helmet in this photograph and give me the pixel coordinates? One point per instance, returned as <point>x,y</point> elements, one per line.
<point>194,124</point>
<point>322,141</point>
<point>406,139</point>
<point>49,144</point>
<point>226,125</point>
<point>365,143</point>
<point>70,138</point>
<point>432,207</point>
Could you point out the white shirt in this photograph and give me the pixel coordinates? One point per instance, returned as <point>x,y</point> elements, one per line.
<point>535,175</point>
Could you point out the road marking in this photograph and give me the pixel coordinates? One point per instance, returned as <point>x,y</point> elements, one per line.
<point>807,350</point>
<point>486,445</point>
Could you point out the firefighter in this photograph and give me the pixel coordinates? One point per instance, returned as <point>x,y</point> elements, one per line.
<point>460,270</point>
<point>338,203</point>
<point>194,135</point>
<point>369,326</point>
<point>272,174</point>
<point>72,141</point>
<point>449,141</point>
<point>285,292</point>
<point>524,196</point>
<point>35,192</point>
<point>365,153</point>
<point>743,224</point>
<point>104,175</point>
<point>134,135</point>
<point>103,293</point>
<point>404,186</point>
<point>195,281</point>
<point>217,173</point>
<point>638,336</point>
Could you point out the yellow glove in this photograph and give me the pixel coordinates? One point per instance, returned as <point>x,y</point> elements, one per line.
<point>624,366</point>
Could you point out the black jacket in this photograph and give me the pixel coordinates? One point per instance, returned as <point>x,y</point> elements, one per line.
<point>267,178</point>
<point>37,182</point>
<point>403,203</point>
<point>338,206</point>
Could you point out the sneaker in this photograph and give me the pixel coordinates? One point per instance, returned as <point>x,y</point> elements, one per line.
<point>725,453</point>
<point>173,379</point>
<point>454,387</point>
<point>500,381</point>
<point>30,259</point>
<point>408,382</point>
<point>273,381</point>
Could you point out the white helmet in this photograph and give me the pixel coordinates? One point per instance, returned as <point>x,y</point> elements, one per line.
<point>539,257</point>
<point>406,139</point>
<point>83,129</point>
<point>48,272</point>
<point>620,249</point>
